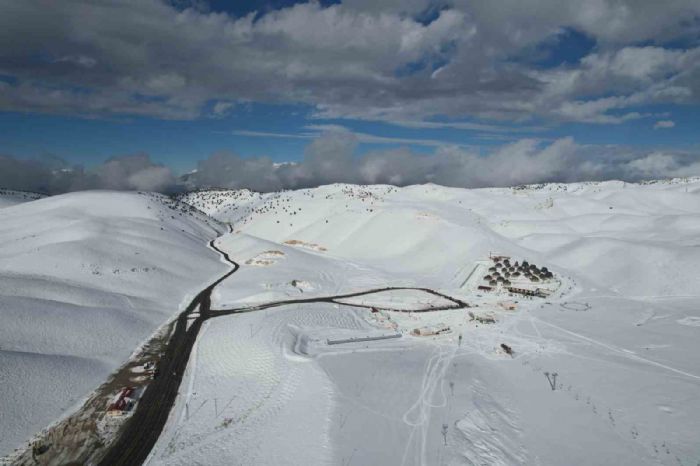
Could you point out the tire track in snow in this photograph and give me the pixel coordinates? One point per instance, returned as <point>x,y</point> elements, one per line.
<point>433,376</point>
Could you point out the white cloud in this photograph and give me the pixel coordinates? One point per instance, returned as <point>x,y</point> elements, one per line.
<point>53,175</point>
<point>222,108</point>
<point>333,157</point>
<point>664,124</point>
<point>653,165</point>
<point>369,60</point>
<point>316,131</point>
<point>80,60</point>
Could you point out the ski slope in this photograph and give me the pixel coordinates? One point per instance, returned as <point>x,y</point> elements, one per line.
<point>85,278</point>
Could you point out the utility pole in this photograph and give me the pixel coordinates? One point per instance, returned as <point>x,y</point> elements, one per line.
<point>444,433</point>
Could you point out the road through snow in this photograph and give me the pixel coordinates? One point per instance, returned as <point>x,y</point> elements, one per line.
<point>148,420</point>
<point>145,425</point>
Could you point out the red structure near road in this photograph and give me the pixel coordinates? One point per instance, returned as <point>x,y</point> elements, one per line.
<point>123,402</point>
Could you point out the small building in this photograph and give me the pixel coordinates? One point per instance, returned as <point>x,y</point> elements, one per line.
<point>485,287</point>
<point>122,403</point>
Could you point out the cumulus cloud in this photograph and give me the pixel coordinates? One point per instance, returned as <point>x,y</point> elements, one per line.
<point>52,175</point>
<point>333,158</point>
<point>133,172</point>
<point>391,60</point>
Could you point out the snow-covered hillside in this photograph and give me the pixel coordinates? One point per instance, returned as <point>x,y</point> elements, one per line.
<point>9,197</point>
<point>602,231</point>
<point>84,279</point>
<point>550,324</point>
<point>603,369</point>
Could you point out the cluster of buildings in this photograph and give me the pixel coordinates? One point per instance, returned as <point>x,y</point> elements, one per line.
<point>503,272</point>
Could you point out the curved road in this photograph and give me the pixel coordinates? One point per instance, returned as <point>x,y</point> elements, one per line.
<point>142,430</point>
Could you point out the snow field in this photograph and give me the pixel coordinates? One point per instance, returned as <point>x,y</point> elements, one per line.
<point>247,389</point>
<point>265,387</point>
<point>619,332</point>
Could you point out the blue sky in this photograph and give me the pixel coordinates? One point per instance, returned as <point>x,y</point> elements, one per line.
<point>182,80</point>
<point>182,143</point>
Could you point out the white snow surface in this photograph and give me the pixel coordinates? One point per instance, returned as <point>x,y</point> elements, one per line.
<point>620,331</point>
<point>85,278</point>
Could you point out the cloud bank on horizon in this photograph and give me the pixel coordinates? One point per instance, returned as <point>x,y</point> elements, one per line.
<point>492,67</point>
<point>332,158</point>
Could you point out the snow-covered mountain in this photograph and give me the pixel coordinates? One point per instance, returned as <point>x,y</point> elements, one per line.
<point>601,364</point>
<point>600,230</point>
<point>604,370</point>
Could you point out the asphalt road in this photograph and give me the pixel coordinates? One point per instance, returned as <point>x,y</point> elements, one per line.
<point>142,430</point>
